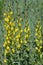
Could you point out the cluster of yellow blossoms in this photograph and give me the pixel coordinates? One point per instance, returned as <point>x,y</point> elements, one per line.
<point>16,35</point>
<point>38,37</point>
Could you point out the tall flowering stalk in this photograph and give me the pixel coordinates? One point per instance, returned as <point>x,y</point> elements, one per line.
<point>38,35</point>
<point>9,37</point>
<point>16,36</point>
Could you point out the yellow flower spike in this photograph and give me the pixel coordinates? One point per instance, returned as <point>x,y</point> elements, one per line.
<point>38,37</point>
<point>19,46</point>
<point>6,19</point>
<point>5,60</point>
<point>13,51</point>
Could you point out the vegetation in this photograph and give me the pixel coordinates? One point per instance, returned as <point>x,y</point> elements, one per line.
<point>21,32</point>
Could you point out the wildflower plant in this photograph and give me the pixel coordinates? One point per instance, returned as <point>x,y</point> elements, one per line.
<point>21,35</point>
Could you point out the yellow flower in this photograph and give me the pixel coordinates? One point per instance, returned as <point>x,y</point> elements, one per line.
<point>13,50</point>
<point>40,47</point>
<point>8,41</point>
<point>28,29</point>
<point>16,29</point>
<point>21,19</point>
<point>21,30</point>
<point>36,40</point>
<point>37,26</point>
<point>36,29</point>
<point>10,23</point>
<point>26,36</point>
<point>8,16</point>
<point>6,19</point>
<point>21,41</point>
<point>9,31</point>
<point>6,51</point>
<point>7,38</point>
<point>4,45</point>
<point>18,46</point>
<point>36,34</point>
<point>40,41</point>
<point>38,44</point>
<point>19,24</point>
<point>36,48</point>
<point>12,28</point>
<point>39,36</point>
<point>13,32</point>
<point>11,12</point>
<point>5,14</point>
<point>7,27</point>
<point>5,60</point>
<point>25,41</point>
<point>17,39</point>
<point>40,27</point>
<point>25,30</point>
<point>12,42</point>
<point>8,48</point>
<point>18,36</point>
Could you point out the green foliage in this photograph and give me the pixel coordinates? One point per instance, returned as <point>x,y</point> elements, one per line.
<point>1,7</point>
<point>31,11</point>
